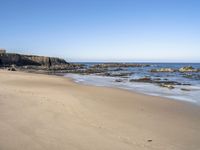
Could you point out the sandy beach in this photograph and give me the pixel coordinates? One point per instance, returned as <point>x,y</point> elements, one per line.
<point>41,112</point>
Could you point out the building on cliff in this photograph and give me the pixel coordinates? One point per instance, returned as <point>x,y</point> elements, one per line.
<point>2,51</point>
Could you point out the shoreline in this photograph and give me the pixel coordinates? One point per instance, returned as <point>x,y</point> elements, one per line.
<point>133,89</point>
<point>117,88</point>
<point>51,112</point>
<point>134,92</point>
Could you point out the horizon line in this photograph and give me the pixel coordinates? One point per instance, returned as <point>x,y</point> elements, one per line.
<point>130,62</point>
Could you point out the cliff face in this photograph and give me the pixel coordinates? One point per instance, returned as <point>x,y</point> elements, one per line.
<point>24,60</point>
<point>46,61</point>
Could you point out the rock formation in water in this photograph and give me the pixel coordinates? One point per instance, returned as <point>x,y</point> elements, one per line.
<point>112,65</point>
<point>188,69</point>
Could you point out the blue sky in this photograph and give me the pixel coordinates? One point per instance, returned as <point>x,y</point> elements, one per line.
<point>103,30</point>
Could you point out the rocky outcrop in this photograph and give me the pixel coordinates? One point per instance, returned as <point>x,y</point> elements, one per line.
<point>188,69</point>
<point>46,61</point>
<point>169,86</point>
<point>116,74</point>
<point>156,80</point>
<point>183,69</point>
<point>118,80</point>
<point>8,59</point>
<point>185,89</point>
<point>144,79</point>
<point>159,82</point>
<point>118,65</point>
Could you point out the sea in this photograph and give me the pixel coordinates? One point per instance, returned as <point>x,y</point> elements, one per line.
<point>189,91</point>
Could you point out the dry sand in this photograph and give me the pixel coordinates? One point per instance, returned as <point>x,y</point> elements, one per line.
<point>41,112</point>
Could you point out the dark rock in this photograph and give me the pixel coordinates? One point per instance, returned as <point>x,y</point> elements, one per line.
<point>162,83</point>
<point>67,67</point>
<point>121,74</point>
<point>12,69</point>
<point>112,65</point>
<point>95,70</point>
<point>46,61</point>
<point>168,82</point>
<point>184,89</point>
<point>157,79</point>
<point>185,84</point>
<point>118,80</point>
<point>145,79</point>
<point>7,59</point>
<point>114,69</point>
<point>114,74</point>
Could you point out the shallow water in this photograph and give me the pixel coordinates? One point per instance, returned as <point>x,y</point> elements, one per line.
<point>193,95</point>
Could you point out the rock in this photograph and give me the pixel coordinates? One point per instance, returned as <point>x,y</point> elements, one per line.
<point>169,82</point>
<point>11,69</point>
<point>67,67</point>
<point>185,84</point>
<point>162,83</point>
<point>169,86</point>
<point>118,80</point>
<point>95,70</point>
<point>118,65</point>
<point>120,74</point>
<point>184,89</point>
<point>188,69</point>
<point>145,79</point>
<point>115,74</point>
<point>46,61</point>
<point>116,69</point>
<point>8,59</point>
<point>163,70</point>
<point>157,79</point>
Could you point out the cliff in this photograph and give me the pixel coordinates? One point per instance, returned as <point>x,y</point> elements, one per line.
<point>8,59</point>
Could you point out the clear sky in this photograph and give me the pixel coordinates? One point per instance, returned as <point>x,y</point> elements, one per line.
<point>103,30</point>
